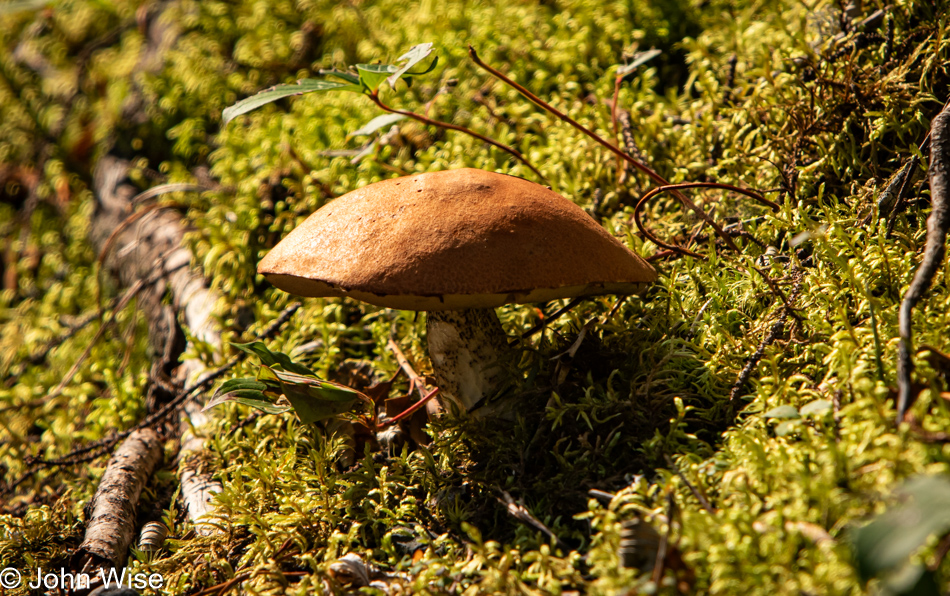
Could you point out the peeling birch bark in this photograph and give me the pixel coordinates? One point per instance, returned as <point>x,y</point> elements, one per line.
<point>111,526</point>
<point>149,244</point>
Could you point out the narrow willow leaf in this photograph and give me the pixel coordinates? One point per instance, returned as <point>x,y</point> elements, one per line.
<point>264,406</point>
<point>340,74</point>
<point>269,358</point>
<point>414,56</point>
<point>245,384</point>
<point>377,123</point>
<point>373,75</point>
<point>281,91</point>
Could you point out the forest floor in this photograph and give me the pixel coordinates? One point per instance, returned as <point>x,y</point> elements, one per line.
<point>734,429</point>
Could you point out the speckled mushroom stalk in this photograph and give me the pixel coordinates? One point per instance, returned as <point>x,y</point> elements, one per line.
<point>455,244</point>
<point>467,349</point>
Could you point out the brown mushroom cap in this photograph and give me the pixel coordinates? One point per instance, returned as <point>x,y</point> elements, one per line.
<point>451,240</point>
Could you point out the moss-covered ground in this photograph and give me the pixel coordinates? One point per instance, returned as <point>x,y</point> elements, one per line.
<point>755,94</point>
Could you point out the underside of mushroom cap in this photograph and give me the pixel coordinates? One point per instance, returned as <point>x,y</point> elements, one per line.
<point>451,240</point>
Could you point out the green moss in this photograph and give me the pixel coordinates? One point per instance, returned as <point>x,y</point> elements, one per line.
<point>644,408</point>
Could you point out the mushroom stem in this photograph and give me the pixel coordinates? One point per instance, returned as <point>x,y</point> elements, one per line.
<point>467,349</point>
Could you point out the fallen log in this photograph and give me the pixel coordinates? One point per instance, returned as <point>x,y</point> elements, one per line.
<point>112,510</point>
<point>136,251</point>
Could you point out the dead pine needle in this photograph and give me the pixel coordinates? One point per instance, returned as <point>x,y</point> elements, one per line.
<point>937,224</point>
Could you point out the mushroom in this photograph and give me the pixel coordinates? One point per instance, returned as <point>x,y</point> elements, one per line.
<point>455,244</point>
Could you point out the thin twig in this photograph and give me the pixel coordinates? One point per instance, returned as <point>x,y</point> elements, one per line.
<point>937,224</point>
<point>699,497</point>
<point>521,513</point>
<point>907,176</point>
<point>629,143</point>
<point>118,304</point>
<point>547,319</point>
<point>673,187</point>
<point>128,221</point>
<point>774,332</point>
<point>126,297</point>
<point>597,138</point>
<point>374,97</point>
<point>408,411</point>
<point>778,292</point>
<point>904,177</point>
<point>102,446</point>
<point>415,380</point>
<point>41,355</point>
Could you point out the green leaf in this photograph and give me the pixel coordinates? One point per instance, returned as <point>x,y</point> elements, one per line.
<point>819,407</point>
<point>246,384</point>
<point>264,406</point>
<point>248,399</point>
<point>415,55</point>
<point>887,542</point>
<point>913,579</point>
<point>326,389</point>
<point>783,412</point>
<point>269,358</point>
<point>349,77</point>
<point>372,75</point>
<point>313,399</point>
<point>281,91</point>
<point>377,123</point>
<point>249,392</point>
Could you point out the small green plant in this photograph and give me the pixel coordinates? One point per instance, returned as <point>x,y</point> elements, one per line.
<point>367,81</point>
<point>883,548</point>
<point>311,398</point>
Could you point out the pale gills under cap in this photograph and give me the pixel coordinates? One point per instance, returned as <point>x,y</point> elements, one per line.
<point>451,240</point>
